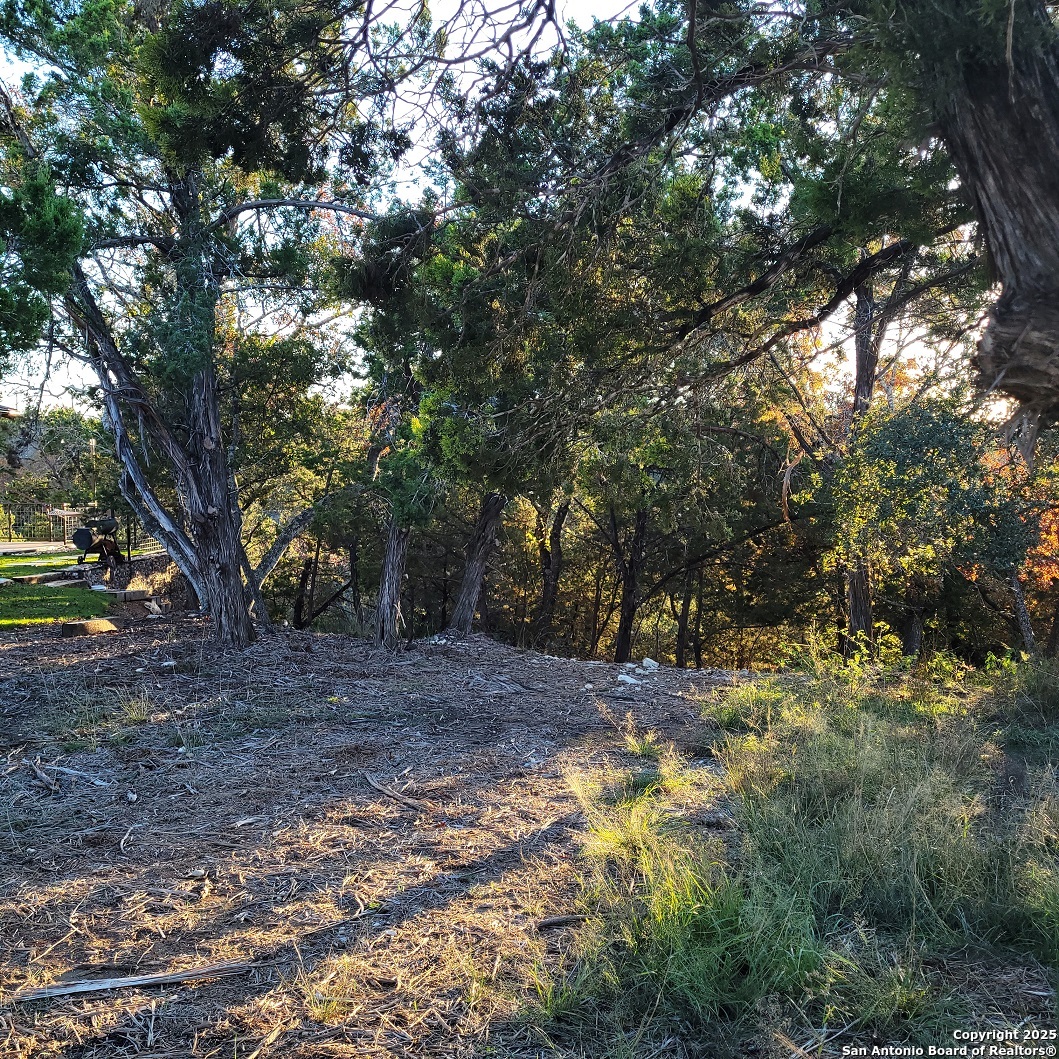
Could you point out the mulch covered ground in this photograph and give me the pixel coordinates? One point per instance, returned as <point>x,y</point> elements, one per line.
<point>382,848</point>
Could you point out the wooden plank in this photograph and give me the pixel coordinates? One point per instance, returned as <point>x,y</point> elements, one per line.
<point>213,970</point>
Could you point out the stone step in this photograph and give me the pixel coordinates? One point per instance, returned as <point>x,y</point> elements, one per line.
<point>127,595</point>
<point>46,578</point>
<point>77,582</point>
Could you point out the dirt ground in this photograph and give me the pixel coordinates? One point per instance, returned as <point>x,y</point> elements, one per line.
<point>383,847</point>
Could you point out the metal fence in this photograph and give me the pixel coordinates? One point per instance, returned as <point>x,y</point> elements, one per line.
<point>45,522</point>
<point>36,522</point>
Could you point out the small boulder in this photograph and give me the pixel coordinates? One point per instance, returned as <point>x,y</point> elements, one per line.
<point>91,627</point>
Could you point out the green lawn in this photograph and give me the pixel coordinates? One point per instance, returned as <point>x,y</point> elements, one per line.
<point>22,605</point>
<point>20,565</point>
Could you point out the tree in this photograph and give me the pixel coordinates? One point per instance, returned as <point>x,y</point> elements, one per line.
<point>212,154</point>
<point>916,497</point>
<point>193,144</point>
<point>988,74</point>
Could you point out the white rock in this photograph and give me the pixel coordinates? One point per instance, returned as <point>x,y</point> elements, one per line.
<point>624,678</point>
<point>649,664</point>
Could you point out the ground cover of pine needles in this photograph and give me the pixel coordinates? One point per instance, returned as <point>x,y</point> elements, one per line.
<point>893,875</point>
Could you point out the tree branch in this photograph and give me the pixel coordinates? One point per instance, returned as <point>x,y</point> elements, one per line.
<point>302,204</point>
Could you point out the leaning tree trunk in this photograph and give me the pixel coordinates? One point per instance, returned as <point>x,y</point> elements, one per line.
<point>998,110</point>
<point>388,610</point>
<point>478,551</point>
<point>630,566</point>
<point>551,553</point>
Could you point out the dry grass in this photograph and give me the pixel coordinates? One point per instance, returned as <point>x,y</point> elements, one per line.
<point>196,808</point>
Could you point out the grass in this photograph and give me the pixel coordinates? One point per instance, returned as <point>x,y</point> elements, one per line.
<point>23,605</point>
<point>329,995</point>
<point>892,837</point>
<point>89,718</point>
<point>44,563</point>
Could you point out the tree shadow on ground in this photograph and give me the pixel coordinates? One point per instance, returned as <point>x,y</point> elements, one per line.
<point>261,839</point>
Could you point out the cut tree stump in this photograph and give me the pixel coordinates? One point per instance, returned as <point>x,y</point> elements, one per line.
<point>92,627</point>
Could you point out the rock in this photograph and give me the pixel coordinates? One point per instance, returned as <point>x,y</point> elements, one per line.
<point>92,627</point>
<point>77,582</point>
<point>624,678</point>
<point>649,664</point>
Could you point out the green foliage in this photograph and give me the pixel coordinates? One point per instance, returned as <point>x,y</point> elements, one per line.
<point>41,234</point>
<point>916,493</point>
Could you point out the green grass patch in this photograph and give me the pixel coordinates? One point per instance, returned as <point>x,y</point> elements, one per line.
<point>45,563</point>
<point>24,605</point>
<point>891,833</point>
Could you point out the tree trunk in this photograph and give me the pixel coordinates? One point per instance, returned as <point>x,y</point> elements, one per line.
<point>388,610</point>
<point>860,627</point>
<point>551,553</point>
<point>1022,615</point>
<point>478,551</point>
<point>912,634</point>
<point>630,565</point>
<point>204,540</point>
<point>682,622</point>
<point>299,611</point>
<point>915,607</point>
<point>597,605</point>
<point>998,108</point>
<point>444,590</point>
<point>212,508</point>
<point>354,579</point>
<point>696,636</point>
